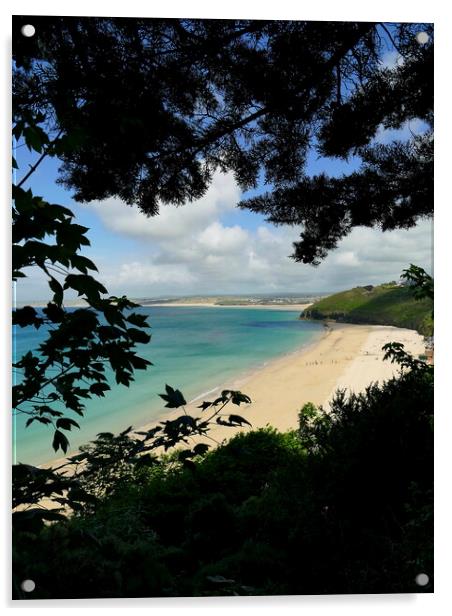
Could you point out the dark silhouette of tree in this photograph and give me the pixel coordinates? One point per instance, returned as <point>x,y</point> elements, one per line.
<point>82,345</point>
<point>421,283</point>
<point>155,106</point>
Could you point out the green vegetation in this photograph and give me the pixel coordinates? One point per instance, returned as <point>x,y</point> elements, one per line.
<point>386,304</point>
<point>343,505</point>
<point>235,300</point>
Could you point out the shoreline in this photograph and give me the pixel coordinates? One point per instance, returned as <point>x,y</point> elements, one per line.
<point>345,356</point>
<point>83,304</point>
<point>233,383</point>
<point>288,307</point>
<point>236,382</point>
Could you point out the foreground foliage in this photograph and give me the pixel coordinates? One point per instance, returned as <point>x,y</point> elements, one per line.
<point>343,505</point>
<point>54,382</point>
<point>106,464</point>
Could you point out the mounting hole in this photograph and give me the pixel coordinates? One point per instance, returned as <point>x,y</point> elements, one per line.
<point>28,586</point>
<point>422,38</point>
<point>422,579</point>
<point>28,30</point>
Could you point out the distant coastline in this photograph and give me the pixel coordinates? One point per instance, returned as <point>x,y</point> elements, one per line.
<point>289,302</point>
<point>290,307</point>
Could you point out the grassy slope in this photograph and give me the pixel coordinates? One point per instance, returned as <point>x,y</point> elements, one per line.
<point>383,305</point>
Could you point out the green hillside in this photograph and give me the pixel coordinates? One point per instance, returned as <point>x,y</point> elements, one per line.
<point>386,304</point>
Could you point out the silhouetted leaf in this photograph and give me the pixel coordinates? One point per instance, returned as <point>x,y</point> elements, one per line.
<point>57,291</point>
<point>60,441</point>
<point>236,419</point>
<point>173,397</point>
<point>54,312</point>
<point>98,389</point>
<point>200,449</point>
<point>65,423</point>
<point>105,435</point>
<point>138,335</point>
<point>84,285</point>
<point>204,405</point>
<point>26,316</point>
<point>43,420</point>
<point>140,320</point>
<point>82,263</point>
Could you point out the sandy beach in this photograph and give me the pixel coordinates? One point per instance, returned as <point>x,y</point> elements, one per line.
<point>346,356</point>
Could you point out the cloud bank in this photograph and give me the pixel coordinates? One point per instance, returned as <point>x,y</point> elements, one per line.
<point>192,250</point>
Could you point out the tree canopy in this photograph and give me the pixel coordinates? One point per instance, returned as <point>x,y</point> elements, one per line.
<point>154,106</point>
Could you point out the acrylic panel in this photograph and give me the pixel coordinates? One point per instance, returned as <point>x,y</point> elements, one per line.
<point>223,307</point>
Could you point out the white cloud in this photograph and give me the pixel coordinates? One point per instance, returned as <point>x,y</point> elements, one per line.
<point>222,240</point>
<point>391,59</point>
<point>409,129</point>
<point>149,274</point>
<point>191,250</point>
<point>172,221</point>
<point>347,258</point>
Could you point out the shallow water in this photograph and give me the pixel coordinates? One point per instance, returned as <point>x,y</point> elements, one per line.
<point>192,349</point>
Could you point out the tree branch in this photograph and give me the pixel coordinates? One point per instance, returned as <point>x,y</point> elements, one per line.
<point>391,39</point>
<point>38,162</point>
<point>307,85</point>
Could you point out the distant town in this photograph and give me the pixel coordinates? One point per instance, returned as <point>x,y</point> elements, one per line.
<point>237,300</point>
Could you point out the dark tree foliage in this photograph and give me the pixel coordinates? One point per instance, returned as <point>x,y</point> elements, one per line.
<point>157,105</point>
<point>104,466</point>
<point>344,505</point>
<point>71,365</point>
<point>421,282</point>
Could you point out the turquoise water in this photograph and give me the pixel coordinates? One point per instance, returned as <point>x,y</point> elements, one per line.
<point>192,349</point>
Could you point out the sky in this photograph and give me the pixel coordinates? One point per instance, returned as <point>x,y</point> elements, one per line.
<point>210,247</point>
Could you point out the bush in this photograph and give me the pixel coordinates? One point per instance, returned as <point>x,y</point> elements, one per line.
<point>344,505</point>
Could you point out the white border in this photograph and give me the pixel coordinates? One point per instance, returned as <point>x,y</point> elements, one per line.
<point>384,10</point>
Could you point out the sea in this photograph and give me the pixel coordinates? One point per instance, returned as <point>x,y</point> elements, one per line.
<point>199,350</point>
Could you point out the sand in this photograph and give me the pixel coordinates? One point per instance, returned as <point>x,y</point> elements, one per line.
<point>347,356</point>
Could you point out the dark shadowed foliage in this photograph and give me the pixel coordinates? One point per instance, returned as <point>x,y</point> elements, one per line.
<point>344,505</point>
<point>152,107</point>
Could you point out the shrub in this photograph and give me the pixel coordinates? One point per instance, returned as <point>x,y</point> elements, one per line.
<point>344,505</point>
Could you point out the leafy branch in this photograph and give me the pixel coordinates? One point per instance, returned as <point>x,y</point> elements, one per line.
<point>421,282</point>
<point>102,466</point>
<point>70,366</point>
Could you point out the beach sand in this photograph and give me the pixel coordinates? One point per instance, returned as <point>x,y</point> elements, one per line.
<point>346,356</point>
